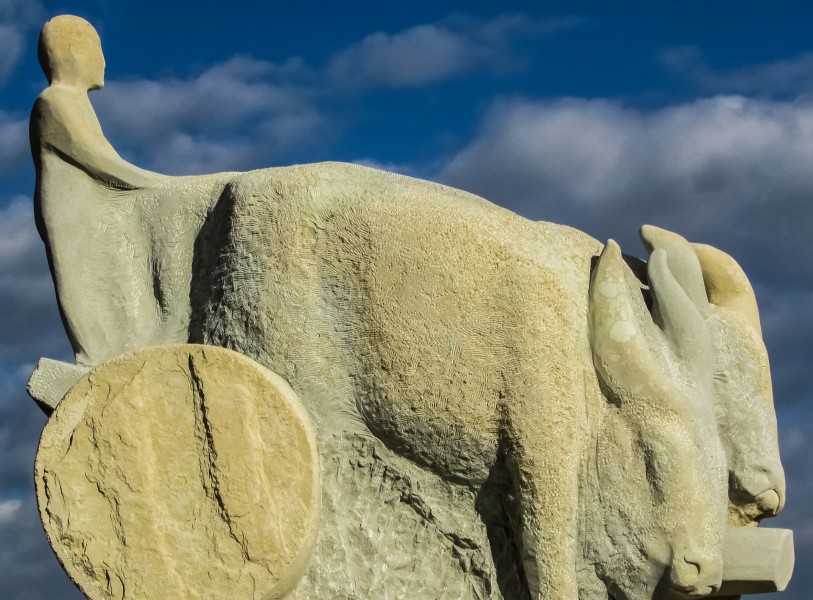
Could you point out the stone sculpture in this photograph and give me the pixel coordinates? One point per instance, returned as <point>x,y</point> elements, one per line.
<point>538,414</point>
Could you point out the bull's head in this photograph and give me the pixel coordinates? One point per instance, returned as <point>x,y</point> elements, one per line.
<point>660,465</point>
<point>742,381</point>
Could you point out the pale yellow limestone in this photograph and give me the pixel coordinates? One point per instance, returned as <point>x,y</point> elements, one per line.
<point>180,472</point>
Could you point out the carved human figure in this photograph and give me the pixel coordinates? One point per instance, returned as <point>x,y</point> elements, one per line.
<point>131,230</point>
<point>463,336</point>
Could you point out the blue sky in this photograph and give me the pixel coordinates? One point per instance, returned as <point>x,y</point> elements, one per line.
<point>694,116</point>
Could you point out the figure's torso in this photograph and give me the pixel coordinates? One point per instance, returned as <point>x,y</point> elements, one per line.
<point>121,256</point>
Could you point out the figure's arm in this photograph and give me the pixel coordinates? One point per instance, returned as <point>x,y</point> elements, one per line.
<point>64,122</point>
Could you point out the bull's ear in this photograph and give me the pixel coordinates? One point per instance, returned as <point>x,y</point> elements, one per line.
<point>682,322</point>
<point>727,286</point>
<point>683,262</point>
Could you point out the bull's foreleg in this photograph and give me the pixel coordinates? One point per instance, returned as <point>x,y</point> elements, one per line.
<point>542,447</point>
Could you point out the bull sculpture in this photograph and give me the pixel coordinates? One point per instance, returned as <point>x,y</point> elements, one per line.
<point>631,415</point>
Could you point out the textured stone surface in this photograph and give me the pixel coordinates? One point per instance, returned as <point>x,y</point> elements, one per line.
<point>180,472</point>
<point>406,532</point>
<point>51,380</point>
<point>609,414</point>
<point>467,349</point>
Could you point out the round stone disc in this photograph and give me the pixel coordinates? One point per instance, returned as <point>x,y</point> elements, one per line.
<point>180,472</point>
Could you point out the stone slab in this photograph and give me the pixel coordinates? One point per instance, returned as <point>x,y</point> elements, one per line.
<point>757,560</point>
<point>51,380</point>
<point>180,472</point>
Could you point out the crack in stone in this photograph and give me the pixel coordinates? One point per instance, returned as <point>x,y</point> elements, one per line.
<point>208,456</point>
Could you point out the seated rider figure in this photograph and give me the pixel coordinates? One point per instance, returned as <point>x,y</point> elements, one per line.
<point>119,238</point>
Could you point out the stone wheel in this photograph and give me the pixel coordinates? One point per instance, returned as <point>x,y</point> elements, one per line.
<point>180,472</point>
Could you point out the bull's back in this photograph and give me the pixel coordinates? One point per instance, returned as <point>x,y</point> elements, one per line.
<point>400,306</point>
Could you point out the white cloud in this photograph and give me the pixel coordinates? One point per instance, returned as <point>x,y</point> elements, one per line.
<point>789,76</point>
<point>238,114</point>
<point>727,170</point>
<point>9,510</point>
<point>419,55</point>
<point>437,51</point>
<point>246,113</point>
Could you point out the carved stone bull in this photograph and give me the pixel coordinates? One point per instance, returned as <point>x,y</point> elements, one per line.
<point>460,335</point>
<point>466,338</point>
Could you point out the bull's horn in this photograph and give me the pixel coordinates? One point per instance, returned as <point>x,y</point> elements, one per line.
<point>633,356</point>
<point>682,322</point>
<point>621,331</point>
<point>726,284</point>
<point>683,262</point>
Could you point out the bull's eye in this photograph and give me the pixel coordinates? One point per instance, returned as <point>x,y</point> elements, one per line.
<point>722,377</point>
<point>664,465</point>
<point>654,476</point>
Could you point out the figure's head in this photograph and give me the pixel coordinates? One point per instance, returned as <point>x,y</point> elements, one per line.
<point>70,52</point>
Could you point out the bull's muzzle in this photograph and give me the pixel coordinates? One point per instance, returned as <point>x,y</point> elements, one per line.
<point>770,502</point>
<point>694,575</point>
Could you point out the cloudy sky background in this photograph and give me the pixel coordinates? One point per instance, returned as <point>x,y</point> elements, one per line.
<point>692,116</point>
